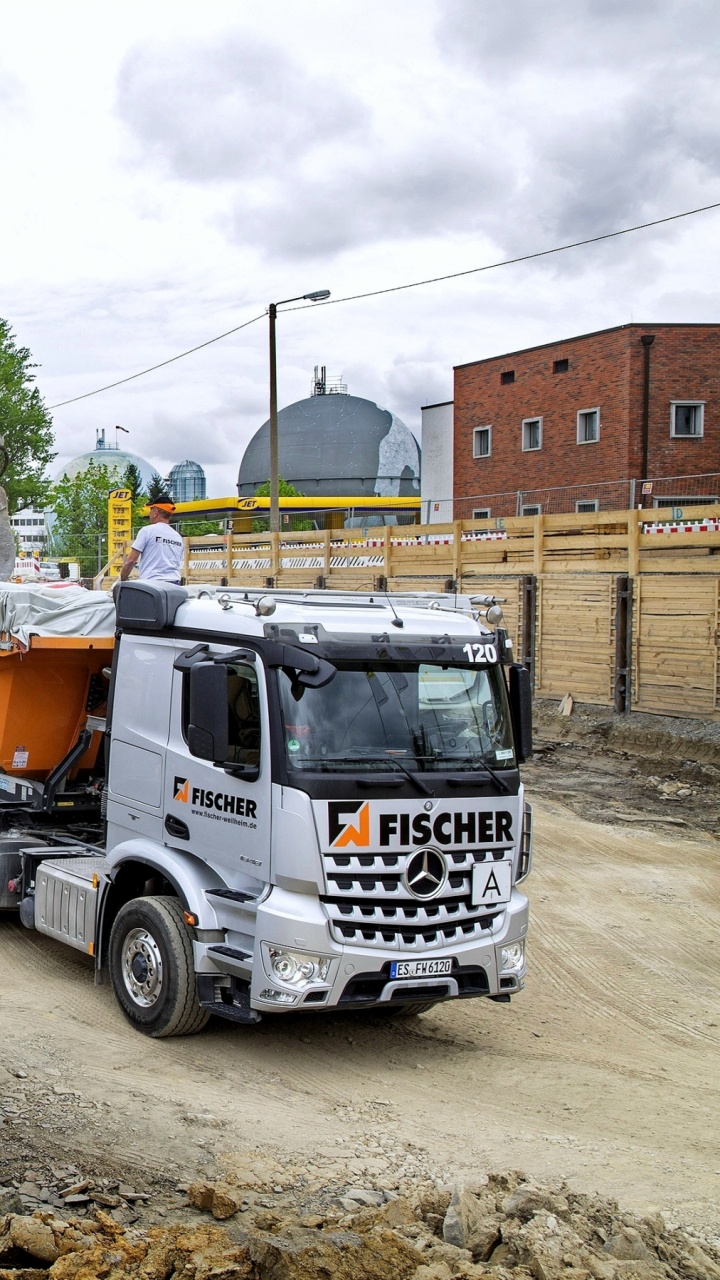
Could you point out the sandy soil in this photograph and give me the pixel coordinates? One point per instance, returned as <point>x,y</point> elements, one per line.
<point>603,1071</point>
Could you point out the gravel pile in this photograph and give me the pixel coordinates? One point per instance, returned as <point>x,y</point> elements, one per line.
<point>505,1228</point>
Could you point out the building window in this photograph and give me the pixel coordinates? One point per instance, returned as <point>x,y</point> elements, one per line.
<point>561,366</point>
<point>531,434</point>
<point>482,442</point>
<point>507,377</point>
<point>587,504</point>
<point>481,513</point>
<point>687,418</point>
<point>588,426</point>
<point>532,509</point>
<point>680,501</point>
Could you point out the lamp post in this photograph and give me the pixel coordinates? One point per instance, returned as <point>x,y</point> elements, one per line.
<point>317,296</point>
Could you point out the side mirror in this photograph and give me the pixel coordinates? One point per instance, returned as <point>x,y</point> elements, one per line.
<point>521,710</point>
<point>207,731</point>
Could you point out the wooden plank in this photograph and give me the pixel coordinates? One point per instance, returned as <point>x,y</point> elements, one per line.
<point>675,541</point>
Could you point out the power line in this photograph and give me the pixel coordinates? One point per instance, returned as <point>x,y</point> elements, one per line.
<point>161,365</point>
<point>508,262</point>
<point>398,288</point>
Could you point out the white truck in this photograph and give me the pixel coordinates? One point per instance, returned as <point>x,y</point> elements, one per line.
<point>309,801</point>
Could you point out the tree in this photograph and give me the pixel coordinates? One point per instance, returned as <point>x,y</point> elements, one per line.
<point>80,524</point>
<point>25,425</point>
<point>157,488</point>
<point>285,490</point>
<point>132,480</point>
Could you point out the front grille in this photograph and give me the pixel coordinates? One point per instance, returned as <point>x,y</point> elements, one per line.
<point>369,905</point>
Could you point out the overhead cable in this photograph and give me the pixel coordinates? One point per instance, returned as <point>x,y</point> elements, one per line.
<point>397,288</point>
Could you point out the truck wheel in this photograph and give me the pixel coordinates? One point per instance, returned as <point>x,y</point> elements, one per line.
<point>151,968</point>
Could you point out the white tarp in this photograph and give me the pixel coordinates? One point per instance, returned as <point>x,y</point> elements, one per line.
<point>35,610</point>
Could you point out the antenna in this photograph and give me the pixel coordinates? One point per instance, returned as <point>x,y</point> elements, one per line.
<point>319,386</point>
<point>396,622</point>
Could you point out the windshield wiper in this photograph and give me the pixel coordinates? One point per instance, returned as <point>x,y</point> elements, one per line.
<point>412,777</point>
<point>500,783</point>
<point>349,760</point>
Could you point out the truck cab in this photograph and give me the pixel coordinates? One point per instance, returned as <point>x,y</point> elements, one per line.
<point>325,789</point>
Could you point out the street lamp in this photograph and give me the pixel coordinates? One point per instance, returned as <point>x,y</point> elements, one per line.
<point>317,296</point>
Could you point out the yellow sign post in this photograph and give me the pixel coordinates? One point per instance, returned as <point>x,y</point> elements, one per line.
<point>119,529</point>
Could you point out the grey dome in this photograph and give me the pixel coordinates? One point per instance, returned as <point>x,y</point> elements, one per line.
<point>336,446</point>
<point>187,482</point>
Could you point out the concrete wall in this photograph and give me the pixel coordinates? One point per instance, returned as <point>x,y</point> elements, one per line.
<point>437,462</point>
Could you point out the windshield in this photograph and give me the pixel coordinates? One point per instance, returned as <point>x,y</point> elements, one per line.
<point>419,717</point>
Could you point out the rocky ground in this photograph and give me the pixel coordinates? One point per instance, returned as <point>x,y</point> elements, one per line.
<point>340,1147</point>
<point>505,1227</point>
<point>628,769</point>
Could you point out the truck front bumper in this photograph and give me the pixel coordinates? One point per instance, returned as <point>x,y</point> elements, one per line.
<point>295,929</point>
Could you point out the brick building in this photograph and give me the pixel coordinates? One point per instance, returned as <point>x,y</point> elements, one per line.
<point>596,414</point>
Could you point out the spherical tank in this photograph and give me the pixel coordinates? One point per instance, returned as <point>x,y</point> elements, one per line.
<point>115,460</point>
<point>336,445</point>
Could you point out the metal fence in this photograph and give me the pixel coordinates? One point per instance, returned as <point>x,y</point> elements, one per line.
<point>680,492</point>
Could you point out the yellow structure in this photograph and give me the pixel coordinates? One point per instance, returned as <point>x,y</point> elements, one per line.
<point>119,529</point>
<point>324,512</point>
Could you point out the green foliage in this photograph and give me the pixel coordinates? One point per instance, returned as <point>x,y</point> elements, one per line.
<point>81,516</point>
<point>285,490</point>
<point>196,528</point>
<point>25,425</point>
<point>157,488</point>
<point>132,480</point>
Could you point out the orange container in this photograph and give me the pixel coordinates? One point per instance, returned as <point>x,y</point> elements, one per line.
<point>43,698</point>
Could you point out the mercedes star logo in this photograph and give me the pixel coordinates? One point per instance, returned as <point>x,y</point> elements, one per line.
<point>425,873</point>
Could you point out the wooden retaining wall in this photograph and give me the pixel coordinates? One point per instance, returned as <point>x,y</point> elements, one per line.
<point>621,609</point>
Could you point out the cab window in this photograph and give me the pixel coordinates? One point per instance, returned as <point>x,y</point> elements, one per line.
<point>243,715</point>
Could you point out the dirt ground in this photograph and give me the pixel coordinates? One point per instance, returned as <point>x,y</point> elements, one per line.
<point>603,1072</point>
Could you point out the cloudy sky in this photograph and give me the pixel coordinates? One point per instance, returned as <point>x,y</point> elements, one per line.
<point>171,168</point>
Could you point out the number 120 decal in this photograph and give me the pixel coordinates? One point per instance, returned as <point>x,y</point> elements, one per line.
<point>480,652</point>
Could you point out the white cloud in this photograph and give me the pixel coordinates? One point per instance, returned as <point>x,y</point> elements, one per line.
<point>174,168</point>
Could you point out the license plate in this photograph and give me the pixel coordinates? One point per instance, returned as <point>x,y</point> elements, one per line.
<point>491,883</point>
<point>420,968</point>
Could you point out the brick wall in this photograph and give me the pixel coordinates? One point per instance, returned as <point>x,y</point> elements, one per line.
<point>605,371</point>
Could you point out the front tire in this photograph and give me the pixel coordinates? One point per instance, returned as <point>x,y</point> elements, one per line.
<point>151,968</point>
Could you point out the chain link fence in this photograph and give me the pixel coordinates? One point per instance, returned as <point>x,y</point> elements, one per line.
<point>679,492</point>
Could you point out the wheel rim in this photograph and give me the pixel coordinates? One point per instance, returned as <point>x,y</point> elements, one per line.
<point>142,967</point>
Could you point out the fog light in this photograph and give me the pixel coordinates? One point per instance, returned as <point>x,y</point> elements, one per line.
<point>277,997</point>
<point>294,968</point>
<point>512,957</point>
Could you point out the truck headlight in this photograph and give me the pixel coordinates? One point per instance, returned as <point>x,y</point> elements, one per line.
<point>511,957</point>
<point>294,968</point>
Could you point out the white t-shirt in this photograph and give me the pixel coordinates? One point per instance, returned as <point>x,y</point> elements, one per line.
<point>161,552</point>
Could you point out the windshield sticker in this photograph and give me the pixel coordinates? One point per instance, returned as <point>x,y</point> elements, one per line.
<point>504,753</point>
<point>293,744</point>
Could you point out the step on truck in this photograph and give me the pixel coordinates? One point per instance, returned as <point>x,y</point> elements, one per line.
<point>245,803</point>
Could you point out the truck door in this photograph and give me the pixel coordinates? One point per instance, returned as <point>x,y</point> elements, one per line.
<point>221,812</point>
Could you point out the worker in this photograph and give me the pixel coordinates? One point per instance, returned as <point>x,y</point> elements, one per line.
<point>158,546</point>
